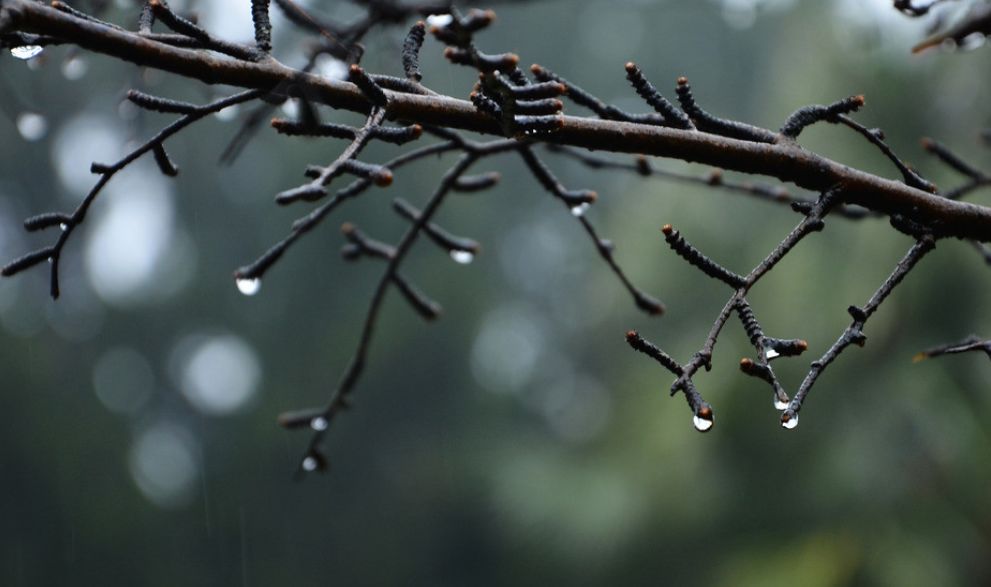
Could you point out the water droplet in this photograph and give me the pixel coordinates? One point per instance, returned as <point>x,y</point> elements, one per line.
<point>31,125</point>
<point>226,114</point>
<point>319,423</point>
<point>50,260</point>
<point>63,226</point>
<point>309,464</point>
<point>249,287</point>
<point>291,108</point>
<point>26,51</point>
<point>74,68</point>
<point>771,354</point>
<point>972,41</point>
<point>463,257</point>
<point>789,420</point>
<point>439,20</point>
<point>780,405</point>
<point>580,209</point>
<point>701,424</point>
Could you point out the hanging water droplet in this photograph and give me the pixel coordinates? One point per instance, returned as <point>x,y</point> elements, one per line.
<point>226,114</point>
<point>31,125</point>
<point>972,41</point>
<point>439,20</point>
<point>789,420</point>
<point>309,464</point>
<point>26,51</point>
<point>771,354</point>
<point>701,424</point>
<point>780,405</point>
<point>247,286</point>
<point>63,226</point>
<point>319,423</point>
<point>580,209</point>
<point>463,257</point>
<point>291,108</point>
<point>74,68</point>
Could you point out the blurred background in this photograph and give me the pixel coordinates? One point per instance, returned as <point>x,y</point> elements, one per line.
<point>517,440</point>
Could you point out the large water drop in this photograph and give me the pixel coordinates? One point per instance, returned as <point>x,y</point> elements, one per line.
<point>701,424</point>
<point>580,209</point>
<point>26,51</point>
<point>789,421</point>
<point>319,424</point>
<point>439,20</point>
<point>463,257</point>
<point>248,286</point>
<point>309,464</point>
<point>780,405</point>
<point>225,114</point>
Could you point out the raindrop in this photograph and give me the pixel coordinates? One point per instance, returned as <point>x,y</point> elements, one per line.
<point>701,424</point>
<point>26,51</point>
<point>319,424</point>
<point>226,114</point>
<point>291,108</point>
<point>972,42</point>
<point>789,420</point>
<point>439,20</point>
<point>579,210</point>
<point>249,287</point>
<point>63,226</point>
<point>771,354</point>
<point>74,68</point>
<point>780,405</point>
<point>31,125</point>
<point>309,464</point>
<point>463,257</point>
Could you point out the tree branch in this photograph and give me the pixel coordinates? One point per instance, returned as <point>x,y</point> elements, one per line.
<point>783,160</point>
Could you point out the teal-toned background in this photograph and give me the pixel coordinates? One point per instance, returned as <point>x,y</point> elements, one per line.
<point>517,440</point>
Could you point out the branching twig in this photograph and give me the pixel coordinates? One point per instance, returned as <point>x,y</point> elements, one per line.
<point>782,161</point>
<point>69,222</point>
<point>854,333</point>
<point>505,102</point>
<point>969,344</point>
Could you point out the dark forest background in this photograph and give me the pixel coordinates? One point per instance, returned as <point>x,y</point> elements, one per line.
<point>517,440</point>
